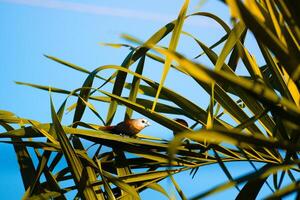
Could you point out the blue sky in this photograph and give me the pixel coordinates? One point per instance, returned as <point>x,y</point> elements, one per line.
<point>72,30</point>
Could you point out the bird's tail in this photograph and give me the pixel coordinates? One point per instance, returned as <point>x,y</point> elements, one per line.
<point>106,128</point>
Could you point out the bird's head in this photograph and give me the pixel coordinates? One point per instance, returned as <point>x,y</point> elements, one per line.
<point>141,123</point>
<point>182,122</point>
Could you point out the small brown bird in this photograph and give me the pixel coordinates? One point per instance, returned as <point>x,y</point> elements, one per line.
<point>182,122</point>
<point>128,127</point>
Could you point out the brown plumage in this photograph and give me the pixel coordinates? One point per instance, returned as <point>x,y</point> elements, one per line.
<point>128,127</point>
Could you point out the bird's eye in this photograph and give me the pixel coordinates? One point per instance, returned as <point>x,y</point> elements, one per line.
<point>143,121</point>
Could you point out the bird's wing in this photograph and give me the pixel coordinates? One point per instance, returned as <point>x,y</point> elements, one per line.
<point>127,127</point>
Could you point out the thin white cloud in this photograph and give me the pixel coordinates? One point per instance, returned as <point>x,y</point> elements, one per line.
<point>102,10</point>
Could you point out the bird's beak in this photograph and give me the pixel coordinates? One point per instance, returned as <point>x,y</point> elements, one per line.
<point>148,123</point>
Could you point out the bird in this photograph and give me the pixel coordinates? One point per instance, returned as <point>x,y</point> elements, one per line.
<point>182,122</point>
<point>129,127</point>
